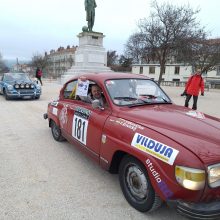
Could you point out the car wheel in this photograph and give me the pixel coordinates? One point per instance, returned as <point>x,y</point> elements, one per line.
<point>136,185</point>
<point>56,132</point>
<point>6,96</point>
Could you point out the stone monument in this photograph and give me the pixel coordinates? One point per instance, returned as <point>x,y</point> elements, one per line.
<point>90,55</point>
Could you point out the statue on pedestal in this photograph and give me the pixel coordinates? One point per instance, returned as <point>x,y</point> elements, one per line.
<point>90,6</point>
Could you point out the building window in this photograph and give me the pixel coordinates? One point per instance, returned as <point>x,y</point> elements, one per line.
<point>141,70</point>
<point>176,80</point>
<point>177,70</point>
<point>152,70</point>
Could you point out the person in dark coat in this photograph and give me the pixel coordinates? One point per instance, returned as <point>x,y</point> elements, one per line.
<point>194,85</point>
<point>39,75</point>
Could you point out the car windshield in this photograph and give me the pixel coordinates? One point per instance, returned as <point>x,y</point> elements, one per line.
<point>16,77</point>
<point>134,92</point>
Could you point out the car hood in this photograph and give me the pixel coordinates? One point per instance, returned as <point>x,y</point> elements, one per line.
<point>12,82</point>
<point>198,132</point>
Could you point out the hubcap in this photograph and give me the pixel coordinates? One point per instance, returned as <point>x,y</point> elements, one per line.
<point>56,131</point>
<point>136,182</point>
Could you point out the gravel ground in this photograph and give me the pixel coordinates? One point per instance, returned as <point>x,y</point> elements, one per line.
<point>43,179</point>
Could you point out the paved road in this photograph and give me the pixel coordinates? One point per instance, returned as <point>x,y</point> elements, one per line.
<point>43,179</point>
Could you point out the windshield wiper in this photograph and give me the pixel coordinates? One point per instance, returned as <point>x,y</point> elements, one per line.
<point>153,97</point>
<point>125,98</point>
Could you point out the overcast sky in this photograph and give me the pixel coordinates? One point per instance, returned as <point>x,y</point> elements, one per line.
<point>28,27</point>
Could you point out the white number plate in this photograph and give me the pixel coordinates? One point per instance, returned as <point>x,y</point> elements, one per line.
<point>79,128</point>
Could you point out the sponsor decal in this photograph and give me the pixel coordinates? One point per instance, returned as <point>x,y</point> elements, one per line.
<point>155,148</point>
<point>166,191</point>
<point>196,114</point>
<point>63,116</point>
<point>161,184</point>
<point>153,171</point>
<point>82,112</point>
<point>54,111</point>
<point>128,124</point>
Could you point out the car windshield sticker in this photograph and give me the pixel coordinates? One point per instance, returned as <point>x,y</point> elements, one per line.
<point>156,149</point>
<point>196,114</point>
<point>161,184</point>
<point>82,87</point>
<point>128,124</point>
<point>145,90</point>
<point>63,117</point>
<point>79,128</point>
<point>54,111</point>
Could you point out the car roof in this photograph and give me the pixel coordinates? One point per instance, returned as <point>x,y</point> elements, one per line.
<point>102,76</point>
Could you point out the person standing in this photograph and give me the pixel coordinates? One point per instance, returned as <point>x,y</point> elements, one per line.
<point>194,85</point>
<point>39,75</point>
<point>90,6</point>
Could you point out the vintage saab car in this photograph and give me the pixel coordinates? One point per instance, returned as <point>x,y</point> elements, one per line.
<point>19,85</point>
<point>162,151</point>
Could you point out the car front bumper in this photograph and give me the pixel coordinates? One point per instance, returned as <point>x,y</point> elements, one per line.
<point>206,211</point>
<point>27,94</point>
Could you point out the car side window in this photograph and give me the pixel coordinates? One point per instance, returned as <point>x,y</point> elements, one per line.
<point>70,90</point>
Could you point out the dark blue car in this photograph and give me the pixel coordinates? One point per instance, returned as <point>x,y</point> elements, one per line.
<point>19,86</point>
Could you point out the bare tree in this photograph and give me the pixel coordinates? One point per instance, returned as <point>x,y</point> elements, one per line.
<point>112,58</point>
<point>135,48</point>
<point>166,27</point>
<point>40,61</point>
<point>3,67</point>
<point>204,54</point>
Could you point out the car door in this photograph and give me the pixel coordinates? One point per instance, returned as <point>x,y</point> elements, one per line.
<point>85,125</point>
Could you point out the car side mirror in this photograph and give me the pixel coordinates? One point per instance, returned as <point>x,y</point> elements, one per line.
<point>96,104</point>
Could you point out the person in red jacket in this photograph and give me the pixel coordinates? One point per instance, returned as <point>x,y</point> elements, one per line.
<point>194,85</point>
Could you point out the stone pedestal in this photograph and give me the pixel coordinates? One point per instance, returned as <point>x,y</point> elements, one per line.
<point>90,56</point>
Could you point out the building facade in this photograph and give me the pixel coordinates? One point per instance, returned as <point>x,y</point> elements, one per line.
<point>60,60</point>
<point>175,73</point>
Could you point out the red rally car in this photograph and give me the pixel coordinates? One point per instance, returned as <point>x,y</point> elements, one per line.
<point>162,151</point>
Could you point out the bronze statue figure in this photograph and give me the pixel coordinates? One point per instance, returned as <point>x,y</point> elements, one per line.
<point>90,6</point>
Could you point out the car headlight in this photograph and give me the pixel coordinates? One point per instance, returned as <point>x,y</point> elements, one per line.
<point>38,87</point>
<point>27,86</point>
<point>214,175</point>
<point>16,86</point>
<point>10,87</point>
<point>190,178</point>
<point>32,86</point>
<point>22,86</point>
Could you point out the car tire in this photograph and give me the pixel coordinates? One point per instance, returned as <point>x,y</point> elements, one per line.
<point>6,96</point>
<point>136,185</point>
<point>56,132</point>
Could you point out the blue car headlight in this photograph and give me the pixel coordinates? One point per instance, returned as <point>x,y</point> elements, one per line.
<point>16,86</point>
<point>38,87</point>
<point>9,87</point>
